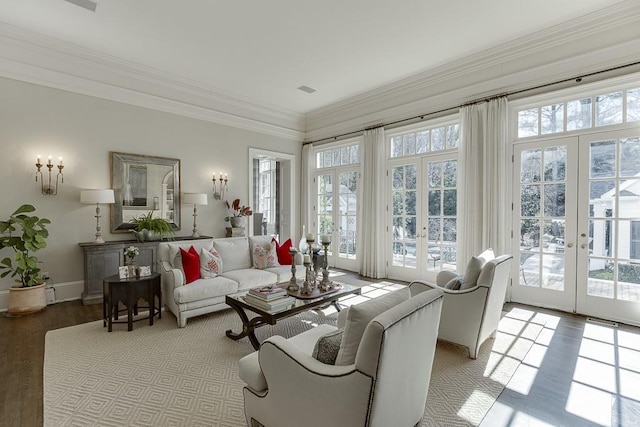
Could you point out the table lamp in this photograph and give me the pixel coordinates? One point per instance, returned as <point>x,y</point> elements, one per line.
<point>195,199</point>
<point>97,197</point>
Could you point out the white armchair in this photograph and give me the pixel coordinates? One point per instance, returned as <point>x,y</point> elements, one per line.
<point>470,316</point>
<point>387,385</point>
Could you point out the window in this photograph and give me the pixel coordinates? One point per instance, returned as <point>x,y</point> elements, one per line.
<point>601,109</point>
<point>342,156</point>
<point>425,141</point>
<point>635,240</point>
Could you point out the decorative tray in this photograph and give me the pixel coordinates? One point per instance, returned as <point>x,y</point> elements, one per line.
<point>316,293</point>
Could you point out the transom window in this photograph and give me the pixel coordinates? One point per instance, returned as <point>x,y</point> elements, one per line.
<point>611,108</point>
<point>342,156</point>
<point>426,140</point>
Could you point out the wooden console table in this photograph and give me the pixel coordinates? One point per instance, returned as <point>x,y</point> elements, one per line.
<point>129,292</point>
<point>103,259</point>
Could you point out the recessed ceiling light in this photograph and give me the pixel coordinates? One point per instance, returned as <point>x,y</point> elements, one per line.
<point>306,89</point>
<point>87,4</point>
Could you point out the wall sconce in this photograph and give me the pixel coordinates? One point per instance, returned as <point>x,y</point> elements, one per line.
<point>220,189</point>
<point>49,190</point>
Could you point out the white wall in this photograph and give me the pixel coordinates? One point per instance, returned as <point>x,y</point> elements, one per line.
<point>83,130</point>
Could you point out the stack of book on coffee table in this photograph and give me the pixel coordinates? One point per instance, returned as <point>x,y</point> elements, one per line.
<point>270,298</point>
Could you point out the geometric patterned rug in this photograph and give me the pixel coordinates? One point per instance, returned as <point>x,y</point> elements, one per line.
<point>162,375</point>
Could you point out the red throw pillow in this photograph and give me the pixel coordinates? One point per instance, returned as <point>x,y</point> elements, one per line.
<point>190,264</point>
<point>284,256</point>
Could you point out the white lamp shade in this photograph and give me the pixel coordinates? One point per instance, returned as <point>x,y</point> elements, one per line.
<point>97,196</point>
<point>195,198</point>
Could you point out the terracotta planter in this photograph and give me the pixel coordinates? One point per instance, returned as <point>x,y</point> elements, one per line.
<point>27,300</point>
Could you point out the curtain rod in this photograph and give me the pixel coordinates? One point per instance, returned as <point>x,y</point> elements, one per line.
<point>421,117</point>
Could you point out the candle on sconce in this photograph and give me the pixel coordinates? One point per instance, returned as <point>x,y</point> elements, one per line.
<point>225,176</point>
<point>325,238</point>
<point>38,159</point>
<point>60,158</point>
<point>49,162</point>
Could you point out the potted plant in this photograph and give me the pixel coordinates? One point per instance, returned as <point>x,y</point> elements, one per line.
<point>25,234</point>
<point>150,229</point>
<point>238,212</point>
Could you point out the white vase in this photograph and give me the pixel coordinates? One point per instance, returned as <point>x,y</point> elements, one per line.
<point>302,245</point>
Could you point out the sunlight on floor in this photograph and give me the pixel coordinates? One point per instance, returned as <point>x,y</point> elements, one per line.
<point>606,376</point>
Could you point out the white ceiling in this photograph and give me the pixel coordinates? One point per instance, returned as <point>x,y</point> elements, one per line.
<point>261,51</point>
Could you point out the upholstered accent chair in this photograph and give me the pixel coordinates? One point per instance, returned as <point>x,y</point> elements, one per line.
<point>471,315</point>
<point>386,385</point>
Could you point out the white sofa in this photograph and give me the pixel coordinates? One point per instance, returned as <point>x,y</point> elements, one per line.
<point>208,295</point>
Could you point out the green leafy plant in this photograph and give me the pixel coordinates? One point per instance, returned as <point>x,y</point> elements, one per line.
<point>237,210</point>
<point>157,225</point>
<point>24,234</point>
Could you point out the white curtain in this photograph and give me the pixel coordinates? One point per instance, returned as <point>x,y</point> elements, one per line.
<point>371,246</point>
<point>484,211</point>
<point>306,192</point>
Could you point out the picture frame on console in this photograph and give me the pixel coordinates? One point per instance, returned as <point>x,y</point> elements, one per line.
<point>144,184</point>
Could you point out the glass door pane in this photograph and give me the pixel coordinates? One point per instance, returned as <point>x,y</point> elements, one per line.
<point>610,237</point>
<point>347,194</point>
<point>545,223</point>
<point>403,215</point>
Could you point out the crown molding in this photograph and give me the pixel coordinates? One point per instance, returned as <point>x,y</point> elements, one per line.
<point>38,59</point>
<point>587,44</point>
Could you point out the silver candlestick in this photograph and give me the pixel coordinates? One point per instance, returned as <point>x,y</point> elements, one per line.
<point>325,284</point>
<point>293,283</point>
<point>307,286</point>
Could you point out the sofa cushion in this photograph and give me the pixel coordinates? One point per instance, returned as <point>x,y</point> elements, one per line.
<point>284,256</point>
<point>250,277</point>
<point>327,347</point>
<point>234,252</point>
<point>358,318</point>
<point>249,366</point>
<point>283,272</point>
<point>264,256</point>
<point>210,263</point>
<point>190,264</point>
<point>471,273</point>
<point>204,288</point>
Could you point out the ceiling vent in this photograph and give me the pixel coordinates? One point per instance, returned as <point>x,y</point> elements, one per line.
<point>306,89</point>
<point>86,4</point>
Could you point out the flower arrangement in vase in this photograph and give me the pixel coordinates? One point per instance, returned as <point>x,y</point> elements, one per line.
<point>238,212</point>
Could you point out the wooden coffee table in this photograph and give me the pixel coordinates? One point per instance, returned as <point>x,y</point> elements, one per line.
<point>265,317</point>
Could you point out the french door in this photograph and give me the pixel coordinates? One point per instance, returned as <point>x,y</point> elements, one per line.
<point>422,216</point>
<point>336,211</point>
<point>577,224</point>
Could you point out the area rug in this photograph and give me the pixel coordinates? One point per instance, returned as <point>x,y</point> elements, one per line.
<point>161,375</point>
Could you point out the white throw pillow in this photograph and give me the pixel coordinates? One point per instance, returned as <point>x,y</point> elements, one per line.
<point>358,318</point>
<point>210,263</point>
<point>470,277</point>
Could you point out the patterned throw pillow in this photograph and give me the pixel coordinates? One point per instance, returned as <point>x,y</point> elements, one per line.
<point>284,256</point>
<point>210,263</point>
<point>327,346</point>
<point>190,264</point>
<point>265,257</point>
<point>453,284</point>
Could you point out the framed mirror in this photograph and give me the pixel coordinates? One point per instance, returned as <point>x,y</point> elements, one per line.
<point>143,184</point>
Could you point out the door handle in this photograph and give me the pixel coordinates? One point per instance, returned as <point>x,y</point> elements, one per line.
<point>569,245</point>
<point>583,246</point>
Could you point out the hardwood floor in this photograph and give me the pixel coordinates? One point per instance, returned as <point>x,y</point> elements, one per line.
<point>22,358</point>
<point>577,373</point>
